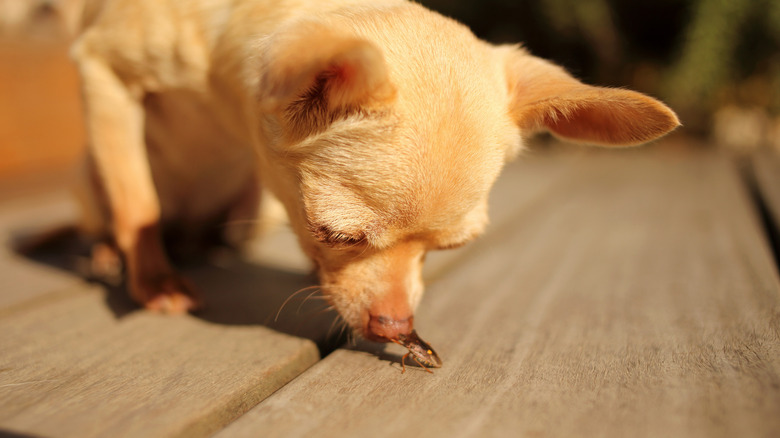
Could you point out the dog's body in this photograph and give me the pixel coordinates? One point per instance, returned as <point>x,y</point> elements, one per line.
<point>380,126</point>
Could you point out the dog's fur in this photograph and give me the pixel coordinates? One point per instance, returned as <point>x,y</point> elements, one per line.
<point>380,126</point>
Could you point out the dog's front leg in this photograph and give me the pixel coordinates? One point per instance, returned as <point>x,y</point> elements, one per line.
<point>115,125</point>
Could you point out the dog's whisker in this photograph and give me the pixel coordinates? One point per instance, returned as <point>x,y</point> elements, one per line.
<point>365,248</point>
<point>311,313</point>
<point>332,326</point>
<point>327,309</point>
<point>304,289</point>
<point>338,322</point>
<point>350,334</point>
<point>307,298</point>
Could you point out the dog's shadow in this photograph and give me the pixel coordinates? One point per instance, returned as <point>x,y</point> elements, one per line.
<point>235,291</point>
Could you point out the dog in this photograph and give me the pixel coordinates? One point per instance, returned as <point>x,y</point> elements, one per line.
<point>379,125</point>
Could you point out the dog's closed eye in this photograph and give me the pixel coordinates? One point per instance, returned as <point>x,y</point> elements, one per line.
<point>337,239</point>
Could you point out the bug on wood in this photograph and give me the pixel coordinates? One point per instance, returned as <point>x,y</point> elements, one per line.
<point>421,352</point>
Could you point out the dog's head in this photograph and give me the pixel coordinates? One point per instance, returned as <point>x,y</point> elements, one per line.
<point>388,133</point>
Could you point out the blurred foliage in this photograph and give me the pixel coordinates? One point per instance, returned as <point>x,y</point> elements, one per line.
<point>697,55</point>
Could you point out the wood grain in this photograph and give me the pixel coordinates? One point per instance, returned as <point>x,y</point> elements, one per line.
<point>73,369</point>
<point>80,360</point>
<point>23,281</point>
<point>635,296</point>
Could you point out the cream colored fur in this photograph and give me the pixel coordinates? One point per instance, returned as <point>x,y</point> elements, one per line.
<point>380,126</point>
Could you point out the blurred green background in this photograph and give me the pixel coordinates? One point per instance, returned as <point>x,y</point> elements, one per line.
<point>700,56</point>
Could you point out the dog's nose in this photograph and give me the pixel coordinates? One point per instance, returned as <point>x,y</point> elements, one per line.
<point>382,328</point>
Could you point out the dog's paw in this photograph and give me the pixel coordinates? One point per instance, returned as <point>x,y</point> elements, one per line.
<point>172,295</point>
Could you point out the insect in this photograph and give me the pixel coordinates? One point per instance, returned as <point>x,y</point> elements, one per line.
<point>421,351</point>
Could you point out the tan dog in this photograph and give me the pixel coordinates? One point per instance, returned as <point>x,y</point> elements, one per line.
<point>380,126</point>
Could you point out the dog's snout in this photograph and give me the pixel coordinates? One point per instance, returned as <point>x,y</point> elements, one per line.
<point>383,328</point>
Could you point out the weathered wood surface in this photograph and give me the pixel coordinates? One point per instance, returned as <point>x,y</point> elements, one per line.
<point>635,295</point>
<point>71,368</point>
<point>20,280</point>
<point>80,360</point>
<point>628,293</point>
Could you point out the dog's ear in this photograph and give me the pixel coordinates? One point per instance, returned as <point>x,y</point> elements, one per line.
<point>544,97</point>
<point>316,68</point>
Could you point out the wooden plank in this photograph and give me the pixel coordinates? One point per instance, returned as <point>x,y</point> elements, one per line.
<point>21,279</point>
<point>73,368</point>
<point>80,360</point>
<point>639,299</point>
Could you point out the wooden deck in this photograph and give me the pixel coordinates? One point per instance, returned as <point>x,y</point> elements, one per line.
<point>617,293</point>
